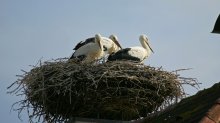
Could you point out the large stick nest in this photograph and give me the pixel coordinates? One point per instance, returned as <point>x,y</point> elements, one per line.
<point>61,89</point>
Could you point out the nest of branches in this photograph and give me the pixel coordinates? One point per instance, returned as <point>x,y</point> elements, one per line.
<point>61,89</point>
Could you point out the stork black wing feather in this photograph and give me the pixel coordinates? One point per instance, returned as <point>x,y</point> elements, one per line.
<point>122,55</point>
<point>81,43</point>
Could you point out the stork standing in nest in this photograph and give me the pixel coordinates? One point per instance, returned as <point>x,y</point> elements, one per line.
<point>135,54</point>
<point>87,47</point>
<point>111,44</point>
<point>90,50</point>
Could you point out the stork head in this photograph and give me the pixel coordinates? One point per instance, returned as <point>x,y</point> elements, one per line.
<point>114,38</point>
<point>98,39</point>
<point>144,41</point>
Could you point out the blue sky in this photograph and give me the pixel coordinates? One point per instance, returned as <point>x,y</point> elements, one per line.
<point>179,33</point>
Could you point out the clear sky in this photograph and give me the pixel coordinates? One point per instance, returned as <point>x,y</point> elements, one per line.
<point>179,33</point>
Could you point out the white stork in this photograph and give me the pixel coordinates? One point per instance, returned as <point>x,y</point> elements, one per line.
<point>83,48</point>
<point>89,50</point>
<point>111,44</point>
<point>136,54</point>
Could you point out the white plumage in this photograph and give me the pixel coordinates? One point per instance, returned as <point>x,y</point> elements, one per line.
<point>111,44</point>
<point>89,50</point>
<point>115,44</point>
<point>136,54</point>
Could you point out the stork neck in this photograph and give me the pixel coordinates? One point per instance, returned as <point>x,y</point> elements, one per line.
<point>145,46</point>
<point>101,45</point>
